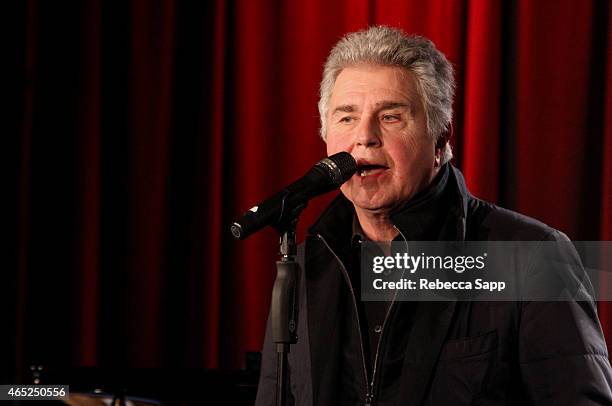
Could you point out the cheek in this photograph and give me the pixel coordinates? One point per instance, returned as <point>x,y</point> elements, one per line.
<point>413,159</point>
<point>333,146</point>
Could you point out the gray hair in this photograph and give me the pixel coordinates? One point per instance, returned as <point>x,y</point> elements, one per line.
<point>387,46</point>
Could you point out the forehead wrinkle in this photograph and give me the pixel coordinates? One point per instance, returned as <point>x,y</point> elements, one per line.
<point>387,105</point>
<point>382,105</point>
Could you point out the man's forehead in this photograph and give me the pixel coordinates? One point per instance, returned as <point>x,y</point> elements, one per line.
<point>381,86</point>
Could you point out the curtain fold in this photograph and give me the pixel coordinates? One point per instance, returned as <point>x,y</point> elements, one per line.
<point>85,303</point>
<point>482,82</point>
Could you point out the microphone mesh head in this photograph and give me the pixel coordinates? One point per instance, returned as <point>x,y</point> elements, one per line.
<point>340,166</point>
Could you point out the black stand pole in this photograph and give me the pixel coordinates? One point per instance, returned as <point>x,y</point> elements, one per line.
<point>284,307</point>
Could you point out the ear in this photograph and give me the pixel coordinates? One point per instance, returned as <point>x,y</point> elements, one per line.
<point>443,139</point>
<point>439,149</point>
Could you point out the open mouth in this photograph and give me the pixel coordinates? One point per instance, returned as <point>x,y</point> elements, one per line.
<point>367,169</point>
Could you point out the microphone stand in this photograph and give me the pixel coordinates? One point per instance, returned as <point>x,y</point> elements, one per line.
<point>284,306</point>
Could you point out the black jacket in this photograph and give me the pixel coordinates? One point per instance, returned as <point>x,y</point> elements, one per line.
<point>440,353</point>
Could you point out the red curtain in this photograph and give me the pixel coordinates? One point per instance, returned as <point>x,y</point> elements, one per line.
<point>138,130</point>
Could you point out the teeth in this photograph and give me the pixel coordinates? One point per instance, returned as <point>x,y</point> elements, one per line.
<point>366,170</point>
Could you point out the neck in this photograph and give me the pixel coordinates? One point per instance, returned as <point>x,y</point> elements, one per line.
<point>376,226</point>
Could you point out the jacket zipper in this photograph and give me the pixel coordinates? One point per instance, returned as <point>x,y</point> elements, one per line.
<point>382,331</point>
<point>369,396</point>
<point>370,388</point>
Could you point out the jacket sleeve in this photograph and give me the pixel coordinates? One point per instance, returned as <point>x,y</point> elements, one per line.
<point>562,352</point>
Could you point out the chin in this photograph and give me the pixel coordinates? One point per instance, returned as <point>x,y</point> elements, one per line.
<point>372,206</point>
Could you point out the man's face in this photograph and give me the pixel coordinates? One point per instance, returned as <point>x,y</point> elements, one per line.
<point>375,114</point>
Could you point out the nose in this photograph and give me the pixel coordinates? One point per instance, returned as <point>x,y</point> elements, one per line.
<point>367,135</point>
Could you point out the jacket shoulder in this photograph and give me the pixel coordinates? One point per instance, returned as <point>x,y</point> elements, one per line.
<point>497,223</point>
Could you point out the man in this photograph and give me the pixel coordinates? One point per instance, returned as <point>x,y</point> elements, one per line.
<point>386,99</point>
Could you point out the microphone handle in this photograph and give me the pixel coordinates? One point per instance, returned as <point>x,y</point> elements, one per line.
<point>281,207</point>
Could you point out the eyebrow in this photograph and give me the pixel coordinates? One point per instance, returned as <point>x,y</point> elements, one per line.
<point>344,108</point>
<point>384,105</point>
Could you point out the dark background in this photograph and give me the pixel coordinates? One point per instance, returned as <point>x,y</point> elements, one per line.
<point>135,131</point>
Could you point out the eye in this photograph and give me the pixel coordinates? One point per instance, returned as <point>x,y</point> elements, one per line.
<point>346,119</point>
<point>390,118</point>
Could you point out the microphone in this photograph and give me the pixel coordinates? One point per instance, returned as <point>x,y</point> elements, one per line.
<point>326,175</point>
